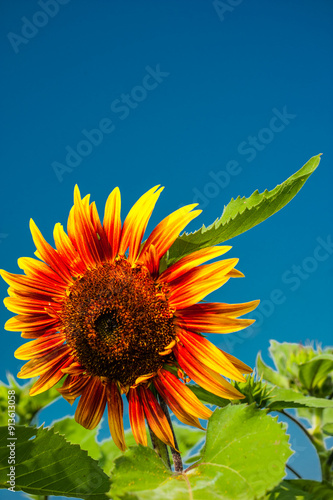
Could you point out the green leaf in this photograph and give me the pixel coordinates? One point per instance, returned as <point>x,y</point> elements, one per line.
<point>301,489</point>
<point>242,214</point>
<point>280,399</point>
<point>46,464</point>
<point>207,397</point>
<point>269,374</point>
<point>314,373</point>
<point>244,456</point>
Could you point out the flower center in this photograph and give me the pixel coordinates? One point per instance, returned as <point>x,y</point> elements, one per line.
<point>117,320</point>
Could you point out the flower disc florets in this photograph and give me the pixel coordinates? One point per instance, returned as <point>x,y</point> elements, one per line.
<point>117,320</point>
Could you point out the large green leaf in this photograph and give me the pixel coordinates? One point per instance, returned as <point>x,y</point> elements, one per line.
<point>242,214</point>
<point>137,470</point>
<point>301,489</point>
<point>46,464</point>
<point>244,456</point>
<point>245,453</point>
<point>280,399</point>
<point>314,373</point>
<point>105,451</point>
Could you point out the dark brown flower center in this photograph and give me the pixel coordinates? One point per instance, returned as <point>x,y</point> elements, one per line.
<point>117,320</point>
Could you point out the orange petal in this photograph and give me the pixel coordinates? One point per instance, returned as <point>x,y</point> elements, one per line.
<point>175,406</point>
<point>81,231</point>
<point>48,254</point>
<point>39,347</point>
<point>49,378</point>
<point>215,324</point>
<point>136,222</point>
<point>66,250</point>
<point>155,416</point>
<point>234,273</point>
<point>167,231</point>
<point>209,355</point>
<point>30,323</point>
<point>215,318</point>
<point>190,261</point>
<point>183,395</point>
<point>137,417</point>
<point>73,387</point>
<point>112,222</point>
<point>103,243</point>
<point>41,365</point>
<point>41,271</point>
<point>115,415</point>
<point>92,403</point>
<point>204,376</point>
<point>242,367</point>
<point>151,261</point>
<point>74,369</point>
<point>26,305</point>
<point>196,284</point>
<point>32,335</point>
<point>216,309</point>
<point>30,286</point>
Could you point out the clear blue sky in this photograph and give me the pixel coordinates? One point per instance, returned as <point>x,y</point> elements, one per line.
<point>175,91</point>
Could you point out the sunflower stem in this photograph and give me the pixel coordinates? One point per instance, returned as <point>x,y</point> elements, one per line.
<point>160,448</point>
<point>293,471</point>
<point>297,422</point>
<point>176,456</point>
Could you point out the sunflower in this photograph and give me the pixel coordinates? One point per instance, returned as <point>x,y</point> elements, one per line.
<point>103,316</point>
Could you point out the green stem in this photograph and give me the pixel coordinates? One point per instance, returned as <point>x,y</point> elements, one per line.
<point>316,437</point>
<point>294,472</point>
<point>160,448</point>
<point>319,443</point>
<point>297,422</point>
<point>176,456</point>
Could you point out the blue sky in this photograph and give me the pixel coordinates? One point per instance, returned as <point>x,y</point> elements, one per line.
<point>209,102</point>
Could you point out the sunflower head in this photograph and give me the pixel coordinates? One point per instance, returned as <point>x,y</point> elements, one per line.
<point>107,321</point>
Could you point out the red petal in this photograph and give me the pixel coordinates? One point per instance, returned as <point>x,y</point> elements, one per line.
<point>115,415</point>
<point>137,417</point>
<point>204,376</point>
<point>92,403</point>
<point>155,416</point>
